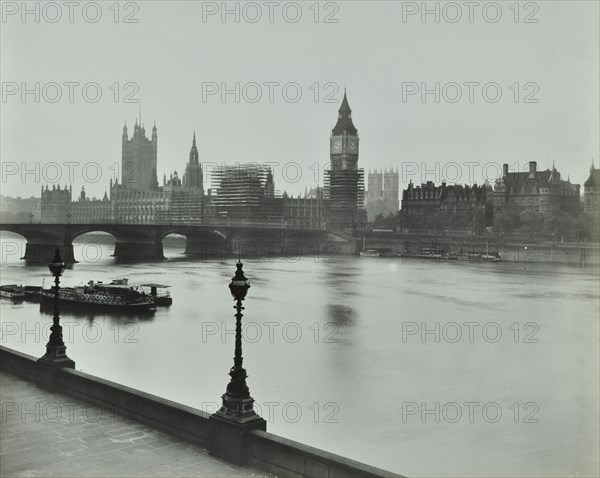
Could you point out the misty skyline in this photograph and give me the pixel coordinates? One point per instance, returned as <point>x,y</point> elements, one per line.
<point>176,54</point>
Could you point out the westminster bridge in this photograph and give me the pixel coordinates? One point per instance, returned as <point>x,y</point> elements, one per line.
<point>144,242</point>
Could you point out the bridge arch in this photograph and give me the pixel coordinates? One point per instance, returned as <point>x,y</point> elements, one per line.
<point>132,242</point>
<point>98,246</point>
<point>200,242</point>
<point>42,241</point>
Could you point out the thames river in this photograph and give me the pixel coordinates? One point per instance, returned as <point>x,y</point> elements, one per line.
<point>422,368</point>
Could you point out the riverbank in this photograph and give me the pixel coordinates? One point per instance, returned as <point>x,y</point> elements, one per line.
<point>562,253</point>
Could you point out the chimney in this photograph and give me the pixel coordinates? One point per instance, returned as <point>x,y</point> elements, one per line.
<point>504,170</point>
<point>532,169</point>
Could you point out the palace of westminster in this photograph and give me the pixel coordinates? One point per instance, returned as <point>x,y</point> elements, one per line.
<point>246,193</point>
<point>241,193</point>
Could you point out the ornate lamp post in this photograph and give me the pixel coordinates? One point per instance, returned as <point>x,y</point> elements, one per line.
<point>236,417</point>
<point>237,402</point>
<point>56,351</point>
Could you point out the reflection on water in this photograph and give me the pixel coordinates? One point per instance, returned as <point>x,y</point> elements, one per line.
<point>353,342</point>
<point>341,315</point>
<point>73,310</point>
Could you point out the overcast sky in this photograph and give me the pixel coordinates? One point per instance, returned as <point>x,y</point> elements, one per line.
<point>179,56</point>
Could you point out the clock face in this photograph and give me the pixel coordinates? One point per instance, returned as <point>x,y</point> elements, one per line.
<point>352,145</point>
<point>337,145</point>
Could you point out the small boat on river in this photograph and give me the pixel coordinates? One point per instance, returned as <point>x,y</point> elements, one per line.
<point>158,292</point>
<point>370,253</point>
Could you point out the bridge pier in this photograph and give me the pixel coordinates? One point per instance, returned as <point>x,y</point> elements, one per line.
<point>204,247</point>
<point>135,251</point>
<point>39,253</point>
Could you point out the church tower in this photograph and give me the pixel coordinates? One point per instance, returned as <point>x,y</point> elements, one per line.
<point>344,181</point>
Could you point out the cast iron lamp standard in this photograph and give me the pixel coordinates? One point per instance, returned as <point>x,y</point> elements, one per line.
<point>237,402</point>
<point>56,351</point>
<point>229,425</point>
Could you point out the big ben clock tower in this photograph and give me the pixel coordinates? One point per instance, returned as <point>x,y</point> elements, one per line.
<point>343,149</point>
<point>344,181</point>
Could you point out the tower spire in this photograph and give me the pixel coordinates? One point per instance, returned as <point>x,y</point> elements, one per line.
<point>344,123</point>
<point>194,156</point>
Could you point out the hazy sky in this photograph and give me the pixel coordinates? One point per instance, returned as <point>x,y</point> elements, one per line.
<point>385,52</point>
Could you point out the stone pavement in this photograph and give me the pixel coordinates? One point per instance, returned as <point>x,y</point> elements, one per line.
<point>47,434</point>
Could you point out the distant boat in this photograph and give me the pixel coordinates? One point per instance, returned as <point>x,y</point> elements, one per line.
<point>370,253</point>
<point>12,291</point>
<point>490,258</point>
<point>487,257</point>
<point>160,298</point>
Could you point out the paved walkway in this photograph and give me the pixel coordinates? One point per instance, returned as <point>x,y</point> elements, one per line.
<point>47,434</point>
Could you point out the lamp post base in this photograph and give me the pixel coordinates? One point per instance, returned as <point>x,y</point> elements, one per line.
<point>238,410</point>
<point>228,433</point>
<point>48,366</point>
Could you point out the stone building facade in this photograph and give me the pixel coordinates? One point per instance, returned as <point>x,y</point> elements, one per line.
<point>91,210</point>
<point>431,207</point>
<point>306,212</point>
<point>535,191</point>
<point>56,204</point>
<point>591,191</point>
<point>20,209</point>
<point>383,193</point>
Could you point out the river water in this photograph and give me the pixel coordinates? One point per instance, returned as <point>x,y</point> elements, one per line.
<point>422,368</point>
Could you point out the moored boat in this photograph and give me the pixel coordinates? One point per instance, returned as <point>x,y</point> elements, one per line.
<point>32,292</point>
<point>491,257</point>
<point>116,295</point>
<point>370,253</point>
<point>12,291</point>
<point>159,293</point>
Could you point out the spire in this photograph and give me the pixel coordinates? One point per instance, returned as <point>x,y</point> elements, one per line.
<point>344,123</point>
<point>194,157</point>
<point>592,168</point>
<point>345,108</point>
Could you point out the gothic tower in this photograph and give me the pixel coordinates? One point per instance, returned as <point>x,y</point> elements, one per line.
<point>343,151</point>
<point>344,181</point>
<point>391,189</point>
<point>139,159</point>
<point>193,178</point>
